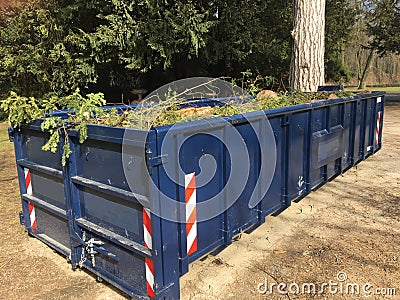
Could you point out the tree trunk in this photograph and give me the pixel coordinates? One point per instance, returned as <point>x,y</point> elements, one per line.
<point>307,64</point>
<point>361,82</point>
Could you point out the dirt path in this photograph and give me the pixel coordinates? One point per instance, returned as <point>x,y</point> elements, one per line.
<point>350,226</point>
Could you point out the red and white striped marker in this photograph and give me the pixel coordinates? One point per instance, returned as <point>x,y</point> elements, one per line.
<point>148,243</point>
<point>191,216</point>
<point>378,128</point>
<point>28,184</point>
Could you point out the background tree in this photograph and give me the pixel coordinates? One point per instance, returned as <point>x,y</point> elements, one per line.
<point>363,45</point>
<point>383,21</point>
<point>361,54</point>
<point>340,17</point>
<point>210,38</point>
<point>144,38</point>
<point>116,45</point>
<point>251,35</point>
<point>360,45</point>
<point>42,51</point>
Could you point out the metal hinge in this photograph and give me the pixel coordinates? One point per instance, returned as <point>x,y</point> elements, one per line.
<point>21,218</point>
<point>156,161</point>
<point>11,134</point>
<point>285,120</point>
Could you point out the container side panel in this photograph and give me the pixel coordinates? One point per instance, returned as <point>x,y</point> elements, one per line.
<point>49,189</point>
<point>369,127</point>
<point>32,142</point>
<point>378,122</point>
<point>240,216</point>
<point>102,161</point>
<point>358,118</point>
<point>112,213</point>
<point>318,126</point>
<point>120,266</point>
<point>196,155</point>
<point>346,159</point>
<point>335,121</point>
<point>273,199</point>
<point>298,154</point>
<point>52,226</point>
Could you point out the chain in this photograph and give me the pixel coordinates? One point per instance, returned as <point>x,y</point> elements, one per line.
<point>83,255</point>
<point>88,249</point>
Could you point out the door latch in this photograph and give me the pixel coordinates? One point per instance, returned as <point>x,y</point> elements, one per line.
<point>92,247</point>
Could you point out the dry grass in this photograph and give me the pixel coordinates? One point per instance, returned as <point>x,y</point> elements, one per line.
<point>5,145</point>
<point>387,89</point>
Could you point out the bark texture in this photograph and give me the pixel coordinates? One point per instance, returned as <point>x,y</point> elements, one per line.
<point>307,64</point>
<point>361,79</point>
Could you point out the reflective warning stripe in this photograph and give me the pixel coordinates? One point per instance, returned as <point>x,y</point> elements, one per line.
<point>147,234</point>
<point>29,191</point>
<point>28,182</point>
<point>378,128</point>
<point>148,243</point>
<point>191,214</point>
<point>32,215</point>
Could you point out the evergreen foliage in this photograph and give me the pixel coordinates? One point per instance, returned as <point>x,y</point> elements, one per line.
<point>383,25</point>
<point>54,47</point>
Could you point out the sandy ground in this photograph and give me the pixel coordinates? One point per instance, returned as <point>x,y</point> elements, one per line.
<point>347,232</point>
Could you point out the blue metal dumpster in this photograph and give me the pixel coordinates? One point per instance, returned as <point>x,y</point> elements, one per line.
<point>89,212</point>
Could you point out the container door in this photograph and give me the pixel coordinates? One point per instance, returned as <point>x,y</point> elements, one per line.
<point>44,202</point>
<point>114,228</point>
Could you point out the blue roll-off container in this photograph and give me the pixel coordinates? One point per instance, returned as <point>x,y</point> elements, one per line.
<point>87,211</point>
